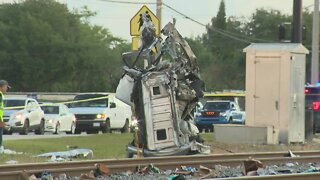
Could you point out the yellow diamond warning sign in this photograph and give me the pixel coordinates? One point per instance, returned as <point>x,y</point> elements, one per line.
<point>136,21</point>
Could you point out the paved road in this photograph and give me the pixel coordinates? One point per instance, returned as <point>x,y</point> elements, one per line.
<point>15,136</point>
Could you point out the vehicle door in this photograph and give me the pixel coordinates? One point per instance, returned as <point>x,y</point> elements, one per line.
<point>235,112</point>
<point>33,111</point>
<point>112,113</point>
<point>64,117</point>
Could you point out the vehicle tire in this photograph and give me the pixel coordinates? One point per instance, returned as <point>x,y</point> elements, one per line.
<point>57,130</point>
<point>230,120</point>
<point>9,132</point>
<point>40,130</point>
<point>76,131</point>
<point>107,127</point>
<point>25,129</point>
<point>72,129</point>
<point>200,128</point>
<point>126,127</point>
<point>4,131</point>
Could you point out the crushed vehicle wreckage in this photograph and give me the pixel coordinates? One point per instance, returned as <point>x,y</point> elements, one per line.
<point>162,94</point>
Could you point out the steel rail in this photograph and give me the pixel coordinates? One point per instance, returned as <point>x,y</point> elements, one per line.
<point>127,161</point>
<point>304,176</point>
<point>78,167</point>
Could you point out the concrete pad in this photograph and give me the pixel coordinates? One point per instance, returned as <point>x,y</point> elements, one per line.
<point>230,133</point>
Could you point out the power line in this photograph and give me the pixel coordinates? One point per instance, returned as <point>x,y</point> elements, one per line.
<point>234,36</point>
<point>215,29</point>
<point>127,2</point>
<point>221,31</point>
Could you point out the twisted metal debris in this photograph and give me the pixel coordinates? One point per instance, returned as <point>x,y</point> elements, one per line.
<point>163,94</point>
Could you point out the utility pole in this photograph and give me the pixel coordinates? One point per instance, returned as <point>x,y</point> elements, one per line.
<point>159,11</point>
<point>297,22</point>
<point>315,45</point>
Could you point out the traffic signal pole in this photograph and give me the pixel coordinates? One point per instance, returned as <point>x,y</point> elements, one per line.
<point>159,11</point>
<point>315,45</point>
<point>297,21</point>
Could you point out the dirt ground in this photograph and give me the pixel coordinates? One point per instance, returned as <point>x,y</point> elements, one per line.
<point>223,148</point>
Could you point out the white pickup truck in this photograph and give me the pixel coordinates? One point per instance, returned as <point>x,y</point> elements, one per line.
<point>23,115</point>
<point>100,111</point>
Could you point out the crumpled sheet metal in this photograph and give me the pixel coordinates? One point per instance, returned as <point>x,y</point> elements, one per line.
<point>165,88</point>
<point>69,154</point>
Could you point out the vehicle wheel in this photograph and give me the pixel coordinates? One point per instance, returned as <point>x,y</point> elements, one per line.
<point>76,131</point>
<point>126,127</point>
<point>230,120</point>
<point>4,131</point>
<point>9,132</point>
<point>57,130</point>
<point>72,129</point>
<point>40,130</point>
<point>107,127</point>
<point>25,129</point>
<point>200,129</point>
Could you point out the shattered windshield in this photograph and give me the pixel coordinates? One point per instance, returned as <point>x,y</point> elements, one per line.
<point>217,106</point>
<point>91,100</point>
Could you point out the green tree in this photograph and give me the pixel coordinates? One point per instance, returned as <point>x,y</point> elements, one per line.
<point>45,47</point>
<point>225,68</point>
<point>225,39</point>
<point>263,24</point>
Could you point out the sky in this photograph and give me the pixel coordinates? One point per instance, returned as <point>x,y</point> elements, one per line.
<point>116,16</point>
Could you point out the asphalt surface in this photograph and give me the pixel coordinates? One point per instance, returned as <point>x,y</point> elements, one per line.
<point>16,136</point>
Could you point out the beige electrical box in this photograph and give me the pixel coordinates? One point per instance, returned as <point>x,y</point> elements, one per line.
<point>275,79</point>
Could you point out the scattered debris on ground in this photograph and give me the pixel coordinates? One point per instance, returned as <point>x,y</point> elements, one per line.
<point>250,167</point>
<point>67,155</point>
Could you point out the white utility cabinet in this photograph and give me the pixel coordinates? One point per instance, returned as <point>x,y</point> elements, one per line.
<point>275,79</point>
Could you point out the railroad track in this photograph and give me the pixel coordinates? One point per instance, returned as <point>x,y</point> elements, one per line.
<point>75,168</point>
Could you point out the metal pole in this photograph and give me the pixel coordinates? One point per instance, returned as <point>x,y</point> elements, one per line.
<point>297,21</point>
<point>159,11</point>
<point>315,45</point>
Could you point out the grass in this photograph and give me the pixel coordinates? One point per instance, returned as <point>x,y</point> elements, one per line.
<point>112,146</point>
<point>102,145</point>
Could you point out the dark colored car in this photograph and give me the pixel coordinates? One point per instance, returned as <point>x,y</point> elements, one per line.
<point>219,112</point>
<point>312,102</point>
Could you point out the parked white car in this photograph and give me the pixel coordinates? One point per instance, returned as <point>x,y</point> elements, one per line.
<point>58,119</point>
<point>23,115</point>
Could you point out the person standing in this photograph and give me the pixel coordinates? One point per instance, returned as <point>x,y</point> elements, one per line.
<point>4,85</point>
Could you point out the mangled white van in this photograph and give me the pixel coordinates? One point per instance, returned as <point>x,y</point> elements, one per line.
<point>162,94</point>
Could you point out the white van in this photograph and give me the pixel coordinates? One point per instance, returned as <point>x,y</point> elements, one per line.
<point>100,111</point>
